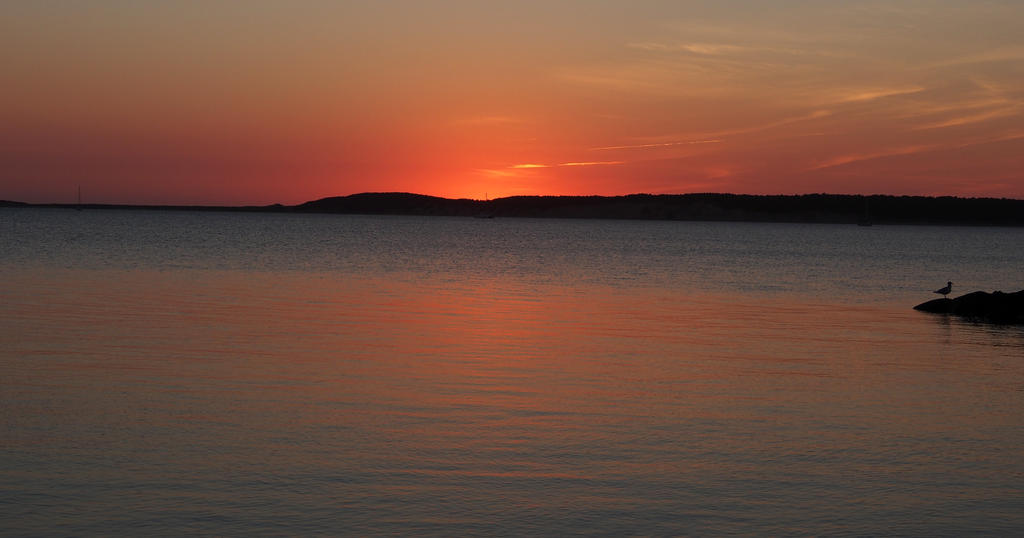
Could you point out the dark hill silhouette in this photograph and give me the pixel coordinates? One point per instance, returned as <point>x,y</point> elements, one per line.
<point>819,208</point>
<point>824,208</point>
<point>392,203</point>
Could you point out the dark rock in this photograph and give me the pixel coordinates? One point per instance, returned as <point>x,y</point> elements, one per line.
<point>936,306</point>
<point>995,307</point>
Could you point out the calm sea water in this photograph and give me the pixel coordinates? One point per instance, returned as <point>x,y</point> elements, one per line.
<point>169,373</point>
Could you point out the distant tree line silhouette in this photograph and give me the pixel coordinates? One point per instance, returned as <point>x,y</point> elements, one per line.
<point>819,208</point>
<point>823,208</point>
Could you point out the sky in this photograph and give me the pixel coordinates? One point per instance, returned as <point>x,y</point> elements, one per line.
<point>258,102</point>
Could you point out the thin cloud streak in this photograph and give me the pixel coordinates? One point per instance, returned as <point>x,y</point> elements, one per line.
<point>659,145</point>
<point>871,95</point>
<point>915,149</point>
<point>721,136</point>
<point>847,159</point>
<point>1013,54</point>
<point>575,163</point>
<point>975,118</point>
<point>696,48</point>
<point>593,163</point>
<point>723,49</point>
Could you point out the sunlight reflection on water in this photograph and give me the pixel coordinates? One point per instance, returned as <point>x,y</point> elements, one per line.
<point>494,397</point>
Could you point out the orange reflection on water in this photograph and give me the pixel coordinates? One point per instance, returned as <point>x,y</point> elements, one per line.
<point>501,394</point>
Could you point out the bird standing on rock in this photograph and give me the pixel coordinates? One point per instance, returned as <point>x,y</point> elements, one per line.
<point>945,291</point>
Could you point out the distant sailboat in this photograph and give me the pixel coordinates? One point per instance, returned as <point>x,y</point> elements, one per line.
<point>79,205</point>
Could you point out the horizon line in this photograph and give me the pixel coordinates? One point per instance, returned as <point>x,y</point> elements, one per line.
<point>10,203</point>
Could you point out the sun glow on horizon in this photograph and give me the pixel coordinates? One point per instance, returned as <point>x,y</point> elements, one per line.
<point>277,103</point>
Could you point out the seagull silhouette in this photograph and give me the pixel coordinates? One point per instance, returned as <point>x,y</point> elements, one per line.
<point>945,291</point>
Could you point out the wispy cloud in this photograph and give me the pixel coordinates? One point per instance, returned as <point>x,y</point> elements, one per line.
<point>497,172</point>
<point>867,156</point>
<point>527,166</point>
<point>696,48</point>
<point>659,145</point>
<point>724,49</point>
<point>593,163</point>
<point>859,95</point>
<point>658,77</point>
<point>718,137</point>
<point>813,115</point>
<point>961,105</point>
<point>915,149</point>
<point>517,170</point>
<point>1006,54</point>
<point>974,118</point>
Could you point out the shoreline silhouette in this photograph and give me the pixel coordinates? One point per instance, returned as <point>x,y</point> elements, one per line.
<point>803,208</point>
<point>996,307</point>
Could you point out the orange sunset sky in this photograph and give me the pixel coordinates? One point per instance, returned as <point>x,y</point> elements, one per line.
<point>257,102</point>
